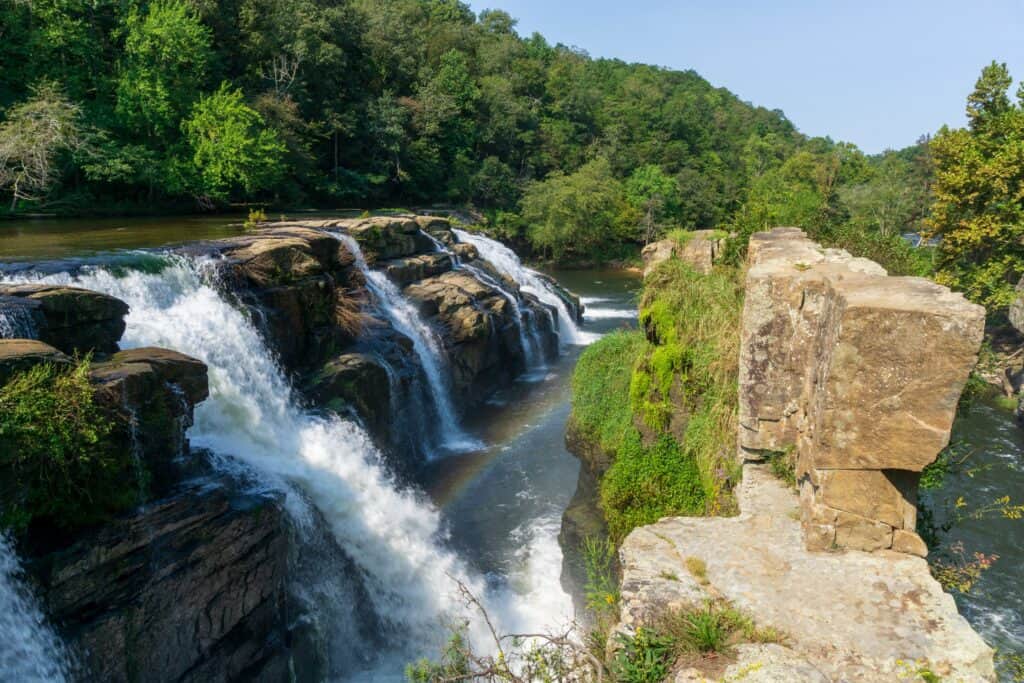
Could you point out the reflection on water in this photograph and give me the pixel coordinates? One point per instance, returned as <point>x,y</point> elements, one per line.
<point>995,605</point>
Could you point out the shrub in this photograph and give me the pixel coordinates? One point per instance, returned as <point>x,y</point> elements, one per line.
<point>690,369</point>
<point>643,657</point>
<point>601,379</point>
<point>645,484</point>
<point>57,463</point>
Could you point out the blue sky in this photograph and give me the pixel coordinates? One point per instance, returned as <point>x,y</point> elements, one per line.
<point>878,74</point>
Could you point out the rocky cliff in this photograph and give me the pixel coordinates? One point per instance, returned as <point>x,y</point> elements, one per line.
<point>855,377</point>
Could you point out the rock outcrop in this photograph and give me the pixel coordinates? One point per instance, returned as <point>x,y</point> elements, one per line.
<point>860,373</point>
<point>190,586</point>
<point>312,301</point>
<point>1016,312</point>
<point>71,319</point>
<point>700,249</point>
<point>844,616</point>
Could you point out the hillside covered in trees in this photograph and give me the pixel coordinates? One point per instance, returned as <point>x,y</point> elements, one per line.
<point>111,106</point>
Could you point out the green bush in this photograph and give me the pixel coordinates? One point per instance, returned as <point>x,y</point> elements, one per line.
<point>599,383</point>
<point>58,462</point>
<point>645,484</point>
<point>688,375</point>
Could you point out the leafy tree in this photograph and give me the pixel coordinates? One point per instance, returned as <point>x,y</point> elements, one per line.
<point>979,209</point>
<point>575,214</point>
<point>166,56</point>
<point>231,150</point>
<point>32,137</point>
<point>655,195</point>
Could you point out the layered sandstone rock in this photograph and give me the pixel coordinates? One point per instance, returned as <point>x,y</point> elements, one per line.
<point>860,373</point>
<point>844,616</point>
<point>72,319</point>
<point>191,587</point>
<point>699,249</point>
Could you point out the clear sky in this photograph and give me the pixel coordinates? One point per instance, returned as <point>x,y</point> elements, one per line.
<point>878,74</point>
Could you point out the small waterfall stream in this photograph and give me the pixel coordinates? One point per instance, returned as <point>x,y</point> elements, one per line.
<point>506,261</point>
<point>30,652</point>
<point>426,344</point>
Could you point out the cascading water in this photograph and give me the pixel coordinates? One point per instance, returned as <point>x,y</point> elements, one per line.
<point>530,344</point>
<point>506,261</point>
<point>393,536</point>
<point>406,319</point>
<point>16,323</point>
<point>29,649</point>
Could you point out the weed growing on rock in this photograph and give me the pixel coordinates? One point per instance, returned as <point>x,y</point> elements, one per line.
<point>56,456</point>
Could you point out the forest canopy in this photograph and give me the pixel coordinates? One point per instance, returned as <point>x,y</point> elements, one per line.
<point>113,106</point>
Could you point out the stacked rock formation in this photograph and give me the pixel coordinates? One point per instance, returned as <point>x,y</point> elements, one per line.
<point>857,372</point>
<point>700,250</point>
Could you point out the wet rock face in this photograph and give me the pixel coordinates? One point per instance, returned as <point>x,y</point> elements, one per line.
<point>152,393</point>
<point>304,287</point>
<point>479,331</point>
<point>860,373</point>
<point>189,588</point>
<point>71,319</point>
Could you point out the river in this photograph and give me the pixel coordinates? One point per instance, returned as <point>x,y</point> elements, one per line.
<point>994,467</point>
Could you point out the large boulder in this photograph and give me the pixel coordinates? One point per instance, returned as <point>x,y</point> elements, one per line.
<point>72,319</point>
<point>847,615</point>
<point>17,355</point>
<point>304,286</point>
<point>699,248</point>
<point>1016,312</point>
<point>860,373</point>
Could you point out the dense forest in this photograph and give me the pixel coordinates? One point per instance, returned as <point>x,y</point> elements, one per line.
<point>113,106</point>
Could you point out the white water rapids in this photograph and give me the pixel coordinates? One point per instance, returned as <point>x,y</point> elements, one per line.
<point>393,535</point>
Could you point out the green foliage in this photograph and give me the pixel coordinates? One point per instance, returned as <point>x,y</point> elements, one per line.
<point>978,210</point>
<point>166,55</point>
<point>600,380</point>
<point>783,466</point>
<point>56,456</point>
<point>576,214</point>
<point>454,663</point>
<point>685,383</point>
<point>231,150</point>
<point>642,657</point>
<point>646,483</point>
<point>602,589</point>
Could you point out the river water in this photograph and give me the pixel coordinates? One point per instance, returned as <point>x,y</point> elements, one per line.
<point>994,468</point>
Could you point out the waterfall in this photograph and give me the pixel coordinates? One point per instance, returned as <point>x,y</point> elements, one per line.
<point>532,347</point>
<point>426,344</point>
<point>16,323</point>
<point>506,261</point>
<point>395,537</point>
<point>29,650</point>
